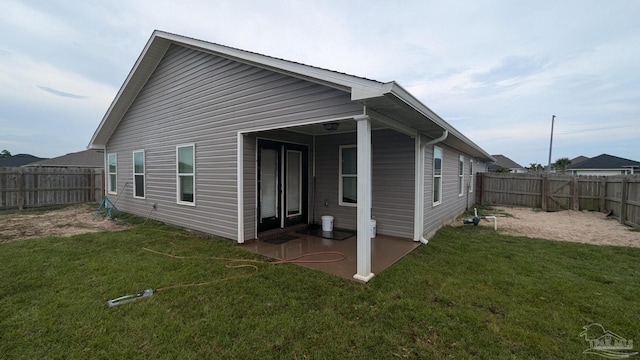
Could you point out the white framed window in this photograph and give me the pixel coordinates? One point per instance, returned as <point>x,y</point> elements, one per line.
<point>348,182</point>
<point>461,175</point>
<point>112,163</point>
<point>186,174</point>
<point>470,175</point>
<point>437,175</point>
<point>138,174</point>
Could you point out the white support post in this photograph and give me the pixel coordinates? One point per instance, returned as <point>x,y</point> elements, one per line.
<point>418,210</point>
<point>364,200</point>
<point>240,185</point>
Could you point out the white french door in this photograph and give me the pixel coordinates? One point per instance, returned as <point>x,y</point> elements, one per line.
<point>282,184</point>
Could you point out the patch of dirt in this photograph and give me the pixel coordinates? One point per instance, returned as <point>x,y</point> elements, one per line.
<point>73,220</point>
<point>575,226</point>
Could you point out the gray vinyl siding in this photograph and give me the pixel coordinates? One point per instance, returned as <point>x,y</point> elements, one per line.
<point>327,179</point>
<point>392,182</point>
<point>452,203</point>
<point>199,98</point>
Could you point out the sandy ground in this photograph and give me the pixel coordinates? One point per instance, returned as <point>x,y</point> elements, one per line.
<point>584,227</point>
<point>73,220</point>
<point>575,226</point>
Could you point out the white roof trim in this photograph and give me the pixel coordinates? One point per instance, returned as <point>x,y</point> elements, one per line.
<point>356,84</point>
<point>360,88</point>
<point>405,96</point>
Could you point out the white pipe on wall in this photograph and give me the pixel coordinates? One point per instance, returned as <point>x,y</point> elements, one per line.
<point>435,141</point>
<point>442,137</point>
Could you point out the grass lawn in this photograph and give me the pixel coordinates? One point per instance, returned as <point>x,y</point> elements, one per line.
<point>469,293</point>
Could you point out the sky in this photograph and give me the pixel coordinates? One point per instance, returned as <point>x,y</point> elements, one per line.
<point>495,70</point>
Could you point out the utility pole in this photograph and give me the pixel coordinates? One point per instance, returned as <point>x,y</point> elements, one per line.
<point>553,117</point>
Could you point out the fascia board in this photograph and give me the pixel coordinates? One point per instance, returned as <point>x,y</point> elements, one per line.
<point>364,88</point>
<point>160,41</point>
<point>154,50</point>
<point>151,55</point>
<point>400,93</point>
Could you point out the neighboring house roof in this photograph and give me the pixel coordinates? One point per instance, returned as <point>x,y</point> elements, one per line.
<point>578,159</point>
<point>92,158</point>
<point>503,162</point>
<point>386,99</point>
<point>605,162</point>
<point>19,160</point>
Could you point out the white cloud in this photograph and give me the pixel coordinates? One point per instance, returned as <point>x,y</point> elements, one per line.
<point>28,78</point>
<point>47,111</point>
<point>497,70</point>
<point>26,19</point>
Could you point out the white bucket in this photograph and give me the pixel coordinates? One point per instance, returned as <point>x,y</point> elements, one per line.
<point>327,223</point>
<point>373,228</point>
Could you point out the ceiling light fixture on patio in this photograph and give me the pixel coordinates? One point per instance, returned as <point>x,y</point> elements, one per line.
<point>332,126</point>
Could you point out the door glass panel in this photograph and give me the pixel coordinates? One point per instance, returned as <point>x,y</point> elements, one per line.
<point>294,189</point>
<point>269,183</point>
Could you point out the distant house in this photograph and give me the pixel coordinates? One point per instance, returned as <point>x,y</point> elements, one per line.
<point>235,143</point>
<point>578,159</point>
<point>92,158</point>
<point>19,160</point>
<point>605,165</point>
<point>503,162</point>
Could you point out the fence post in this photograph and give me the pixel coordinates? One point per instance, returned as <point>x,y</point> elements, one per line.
<point>603,192</point>
<point>623,199</point>
<point>103,180</point>
<point>575,197</point>
<point>36,180</point>
<point>545,192</point>
<point>20,189</point>
<point>92,186</point>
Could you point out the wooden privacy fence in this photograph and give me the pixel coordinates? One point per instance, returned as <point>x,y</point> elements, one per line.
<point>553,192</point>
<point>39,186</point>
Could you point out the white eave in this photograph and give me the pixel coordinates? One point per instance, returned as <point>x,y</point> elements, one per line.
<point>388,99</point>
<point>402,106</point>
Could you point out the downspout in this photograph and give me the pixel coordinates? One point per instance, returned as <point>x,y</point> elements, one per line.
<point>435,141</point>
<point>442,137</point>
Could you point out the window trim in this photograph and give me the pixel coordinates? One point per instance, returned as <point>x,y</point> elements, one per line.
<point>341,176</point>
<point>192,174</point>
<point>439,201</point>
<point>115,174</point>
<point>143,174</point>
<point>461,175</point>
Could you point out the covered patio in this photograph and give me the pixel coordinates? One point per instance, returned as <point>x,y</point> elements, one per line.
<point>295,175</point>
<point>385,251</point>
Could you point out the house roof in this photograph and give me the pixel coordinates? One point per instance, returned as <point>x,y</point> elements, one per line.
<point>18,160</point>
<point>504,162</point>
<point>92,158</point>
<point>386,99</point>
<point>606,161</point>
<point>578,159</point>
